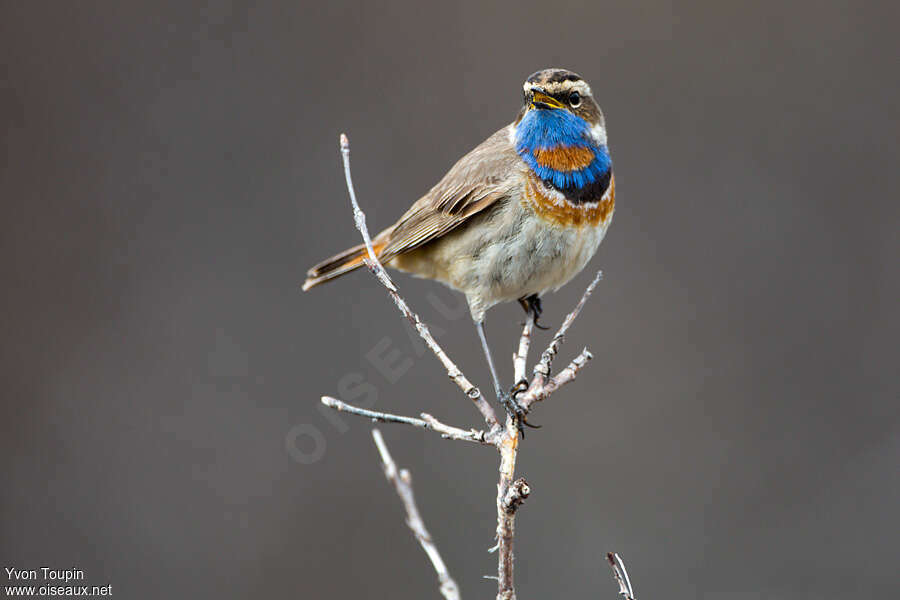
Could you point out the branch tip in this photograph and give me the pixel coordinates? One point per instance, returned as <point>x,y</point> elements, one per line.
<point>620,574</point>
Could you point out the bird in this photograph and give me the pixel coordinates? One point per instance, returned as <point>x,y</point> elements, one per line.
<point>517,217</point>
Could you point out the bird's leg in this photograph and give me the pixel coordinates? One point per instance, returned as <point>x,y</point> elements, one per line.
<point>532,304</point>
<point>507,400</point>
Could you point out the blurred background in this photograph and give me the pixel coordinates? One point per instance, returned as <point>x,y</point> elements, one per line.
<point>171,169</point>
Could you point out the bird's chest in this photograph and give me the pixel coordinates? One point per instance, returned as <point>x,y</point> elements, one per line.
<point>545,241</point>
<point>566,235</point>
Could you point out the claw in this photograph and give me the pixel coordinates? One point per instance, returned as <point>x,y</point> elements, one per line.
<point>520,387</point>
<point>512,407</point>
<point>532,305</point>
<point>515,410</point>
<point>517,389</point>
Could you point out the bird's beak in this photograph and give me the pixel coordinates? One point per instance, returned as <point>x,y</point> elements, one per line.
<point>540,99</point>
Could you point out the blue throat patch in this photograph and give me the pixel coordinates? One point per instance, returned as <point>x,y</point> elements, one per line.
<point>545,129</point>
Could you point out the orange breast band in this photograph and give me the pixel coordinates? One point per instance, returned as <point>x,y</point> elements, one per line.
<point>565,158</point>
<point>568,214</point>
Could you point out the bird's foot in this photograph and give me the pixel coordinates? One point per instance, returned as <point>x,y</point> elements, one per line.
<point>520,387</point>
<point>532,305</point>
<point>515,410</point>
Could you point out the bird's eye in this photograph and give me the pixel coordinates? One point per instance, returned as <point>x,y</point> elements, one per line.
<point>574,99</point>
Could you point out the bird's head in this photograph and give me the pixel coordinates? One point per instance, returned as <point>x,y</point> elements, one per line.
<point>560,131</point>
<point>559,89</point>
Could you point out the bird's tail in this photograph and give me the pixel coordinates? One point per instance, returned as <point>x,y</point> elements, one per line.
<point>344,262</point>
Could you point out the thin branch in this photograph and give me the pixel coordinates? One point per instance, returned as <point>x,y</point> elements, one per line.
<point>620,575</point>
<point>454,433</point>
<point>568,374</point>
<point>402,481</point>
<point>359,217</point>
<point>541,389</point>
<point>378,270</point>
<point>520,358</point>
<point>510,497</point>
<point>506,511</point>
<point>543,367</point>
<point>426,422</point>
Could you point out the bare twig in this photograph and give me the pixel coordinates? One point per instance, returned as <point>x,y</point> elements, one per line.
<point>541,388</point>
<point>402,481</point>
<point>506,510</point>
<point>520,358</point>
<point>359,217</point>
<point>543,367</point>
<point>620,575</point>
<point>570,372</point>
<point>377,269</point>
<point>426,422</point>
<point>510,497</point>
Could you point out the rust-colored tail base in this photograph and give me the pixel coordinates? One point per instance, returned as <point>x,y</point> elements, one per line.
<point>348,260</point>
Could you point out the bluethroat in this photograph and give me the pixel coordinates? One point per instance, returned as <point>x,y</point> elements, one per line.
<point>518,216</point>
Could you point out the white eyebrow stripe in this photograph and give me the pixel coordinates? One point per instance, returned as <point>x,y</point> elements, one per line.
<point>555,88</point>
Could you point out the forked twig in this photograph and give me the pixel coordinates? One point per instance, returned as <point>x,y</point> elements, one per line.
<point>542,385</point>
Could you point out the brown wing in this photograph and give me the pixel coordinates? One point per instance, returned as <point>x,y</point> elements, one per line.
<point>480,178</point>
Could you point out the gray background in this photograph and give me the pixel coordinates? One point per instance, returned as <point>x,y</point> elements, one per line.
<point>171,170</point>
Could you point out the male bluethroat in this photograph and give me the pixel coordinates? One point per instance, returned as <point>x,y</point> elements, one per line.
<point>518,216</point>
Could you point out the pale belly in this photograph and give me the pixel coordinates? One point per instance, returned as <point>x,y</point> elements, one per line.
<point>506,254</point>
